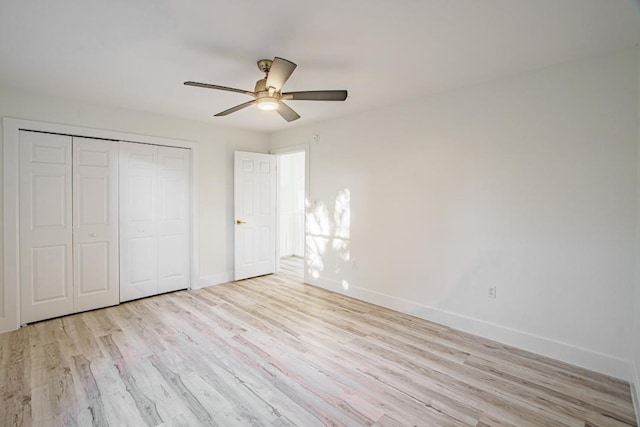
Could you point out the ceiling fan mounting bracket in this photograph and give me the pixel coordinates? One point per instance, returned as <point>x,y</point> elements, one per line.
<point>265,65</point>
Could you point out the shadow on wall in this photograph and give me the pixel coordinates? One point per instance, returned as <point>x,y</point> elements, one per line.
<point>327,235</point>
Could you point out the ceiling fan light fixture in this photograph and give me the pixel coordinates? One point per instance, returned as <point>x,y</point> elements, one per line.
<point>268,103</point>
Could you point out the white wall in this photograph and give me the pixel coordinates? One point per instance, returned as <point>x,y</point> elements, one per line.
<point>527,184</point>
<point>216,146</point>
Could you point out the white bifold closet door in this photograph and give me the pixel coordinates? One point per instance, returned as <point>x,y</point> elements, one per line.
<point>154,220</point>
<point>174,213</point>
<point>68,225</point>
<point>95,223</point>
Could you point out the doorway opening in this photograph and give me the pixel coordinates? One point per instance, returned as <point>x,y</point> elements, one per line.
<point>291,212</point>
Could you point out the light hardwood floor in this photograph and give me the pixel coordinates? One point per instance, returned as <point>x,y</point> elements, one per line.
<point>273,351</point>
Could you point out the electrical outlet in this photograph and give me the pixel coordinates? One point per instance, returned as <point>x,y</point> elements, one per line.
<point>354,264</point>
<point>492,292</point>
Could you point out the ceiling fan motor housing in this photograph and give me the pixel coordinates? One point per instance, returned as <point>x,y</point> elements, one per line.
<point>266,99</point>
<point>261,86</point>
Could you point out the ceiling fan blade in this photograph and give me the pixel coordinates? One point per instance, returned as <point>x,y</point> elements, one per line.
<point>236,108</point>
<point>228,89</point>
<point>280,72</point>
<point>287,112</point>
<point>317,95</point>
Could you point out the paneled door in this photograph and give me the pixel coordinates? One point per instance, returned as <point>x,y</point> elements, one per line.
<point>138,220</point>
<point>155,225</point>
<point>255,214</point>
<point>95,223</point>
<point>173,218</point>
<point>46,264</point>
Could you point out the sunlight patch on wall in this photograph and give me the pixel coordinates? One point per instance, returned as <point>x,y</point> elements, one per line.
<point>342,214</point>
<point>327,235</point>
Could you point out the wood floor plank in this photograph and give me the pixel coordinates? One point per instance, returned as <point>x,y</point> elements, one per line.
<point>146,407</point>
<point>119,407</point>
<point>273,351</point>
<point>315,384</point>
<point>91,391</point>
<point>246,408</point>
<point>16,396</point>
<point>495,396</point>
<point>192,402</point>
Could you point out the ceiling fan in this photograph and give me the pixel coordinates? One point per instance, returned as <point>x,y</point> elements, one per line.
<point>268,94</point>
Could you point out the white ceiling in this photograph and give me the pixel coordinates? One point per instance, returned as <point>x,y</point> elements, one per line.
<point>135,54</point>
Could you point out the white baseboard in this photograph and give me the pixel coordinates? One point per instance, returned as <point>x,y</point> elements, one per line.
<point>216,279</point>
<point>599,362</point>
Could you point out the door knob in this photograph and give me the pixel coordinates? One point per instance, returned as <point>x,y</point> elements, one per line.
<point>93,234</point>
<point>240,222</point>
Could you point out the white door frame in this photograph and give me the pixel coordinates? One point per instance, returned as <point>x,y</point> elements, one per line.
<point>9,305</point>
<point>306,148</point>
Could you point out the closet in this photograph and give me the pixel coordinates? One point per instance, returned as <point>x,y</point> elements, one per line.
<point>101,222</point>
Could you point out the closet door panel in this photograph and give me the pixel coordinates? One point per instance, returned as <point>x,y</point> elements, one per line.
<point>46,272</point>
<point>95,221</point>
<point>142,260</point>
<point>173,218</point>
<point>138,221</point>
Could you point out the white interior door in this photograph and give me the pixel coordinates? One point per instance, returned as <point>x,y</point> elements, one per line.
<point>138,221</point>
<point>173,218</point>
<point>95,223</point>
<point>46,272</point>
<point>255,214</point>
